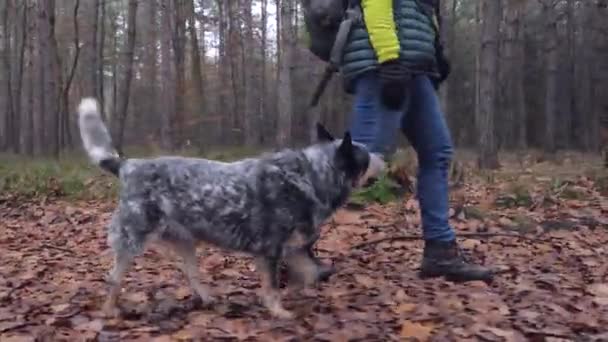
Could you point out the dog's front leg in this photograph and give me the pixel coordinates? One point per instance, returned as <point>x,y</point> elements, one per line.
<point>324,272</point>
<point>271,295</point>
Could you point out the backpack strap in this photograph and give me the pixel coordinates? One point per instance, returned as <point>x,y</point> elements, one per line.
<point>352,15</point>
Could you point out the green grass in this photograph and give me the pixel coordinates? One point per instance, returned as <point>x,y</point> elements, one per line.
<point>383,191</point>
<point>73,177</point>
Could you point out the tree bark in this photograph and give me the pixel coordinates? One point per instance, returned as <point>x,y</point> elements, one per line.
<point>488,83</point>
<point>178,40</point>
<point>197,71</point>
<point>100,57</point>
<point>151,90</point>
<point>27,137</point>
<point>90,54</point>
<point>125,85</point>
<point>224,75</point>
<point>65,131</point>
<point>513,103</point>
<point>51,86</point>
<point>9,112</point>
<point>448,28</point>
<point>551,77</point>
<point>167,81</point>
<point>251,105</point>
<point>284,86</point>
<point>264,93</point>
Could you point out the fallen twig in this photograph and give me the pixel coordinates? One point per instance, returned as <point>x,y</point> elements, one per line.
<point>465,235</point>
<point>46,245</point>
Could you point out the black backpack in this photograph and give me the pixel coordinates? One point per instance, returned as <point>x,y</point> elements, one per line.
<point>322,19</point>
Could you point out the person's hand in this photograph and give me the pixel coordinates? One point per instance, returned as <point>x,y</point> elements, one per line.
<point>394,80</point>
<point>443,64</point>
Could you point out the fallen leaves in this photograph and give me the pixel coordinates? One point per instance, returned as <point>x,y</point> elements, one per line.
<point>552,287</point>
<point>416,331</point>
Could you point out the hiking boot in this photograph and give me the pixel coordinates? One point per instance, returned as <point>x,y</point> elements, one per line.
<point>443,259</point>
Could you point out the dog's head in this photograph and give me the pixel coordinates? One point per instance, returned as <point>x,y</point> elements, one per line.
<point>352,158</point>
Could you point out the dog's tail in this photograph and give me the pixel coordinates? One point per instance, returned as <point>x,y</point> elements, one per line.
<point>96,138</point>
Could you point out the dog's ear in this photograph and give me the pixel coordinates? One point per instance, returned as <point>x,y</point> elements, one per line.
<point>323,134</point>
<point>346,147</point>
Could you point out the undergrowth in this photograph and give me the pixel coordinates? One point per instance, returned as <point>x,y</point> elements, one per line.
<point>72,176</point>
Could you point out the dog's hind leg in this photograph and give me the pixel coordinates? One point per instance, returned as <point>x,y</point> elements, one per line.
<point>126,241</point>
<point>122,262</point>
<point>187,252</point>
<point>303,269</point>
<point>271,296</point>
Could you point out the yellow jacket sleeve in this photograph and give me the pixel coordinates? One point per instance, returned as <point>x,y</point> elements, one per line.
<point>380,23</point>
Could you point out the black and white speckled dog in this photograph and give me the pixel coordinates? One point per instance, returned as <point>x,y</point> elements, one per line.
<point>271,207</point>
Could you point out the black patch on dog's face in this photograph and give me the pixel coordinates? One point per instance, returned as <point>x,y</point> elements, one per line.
<point>352,158</point>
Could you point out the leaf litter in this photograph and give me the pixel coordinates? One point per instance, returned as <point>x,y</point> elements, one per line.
<point>553,285</point>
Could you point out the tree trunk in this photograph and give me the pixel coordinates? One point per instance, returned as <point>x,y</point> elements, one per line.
<point>448,28</point>
<point>90,54</point>
<point>28,108</point>
<point>150,70</point>
<point>7,122</point>
<point>125,85</point>
<point>224,74</point>
<point>262,111</point>
<point>51,85</point>
<point>251,105</point>
<point>100,57</point>
<point>513,101</point>
<point>488,83</point>
<point>551,79</point>
<point>197,72</point>
<point>284,87</point>
<point>178,40</point>
<point>167,82</point>
<point>41,76</point>
<point>65,135</point>
<point>233,58</point>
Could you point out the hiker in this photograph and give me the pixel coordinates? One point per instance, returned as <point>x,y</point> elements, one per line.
<point>392,62</point>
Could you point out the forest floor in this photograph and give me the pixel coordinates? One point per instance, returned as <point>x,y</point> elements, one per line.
<point>553,284</point>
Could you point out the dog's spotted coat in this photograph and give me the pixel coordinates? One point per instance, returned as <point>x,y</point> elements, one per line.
<point>271,207</point>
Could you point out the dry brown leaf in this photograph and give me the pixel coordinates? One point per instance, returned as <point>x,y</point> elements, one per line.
<point>17,338</point>
<point>404,308</point>
<point>365,280</point>
<point>182,292</point>
<point>94,325</point>
<point>184,335</point>
<point>137,297</point>
<point>416,330</point>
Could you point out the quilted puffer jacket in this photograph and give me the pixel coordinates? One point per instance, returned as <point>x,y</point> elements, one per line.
<point>391,29</point>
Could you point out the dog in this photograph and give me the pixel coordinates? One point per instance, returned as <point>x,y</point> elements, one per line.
<point>270,207</point>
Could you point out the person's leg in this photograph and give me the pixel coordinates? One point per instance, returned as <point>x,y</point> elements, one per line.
<point>371,123</point>
<point>426,128</point>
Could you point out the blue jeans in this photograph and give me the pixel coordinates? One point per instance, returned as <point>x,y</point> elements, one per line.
<point>424,125</point>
